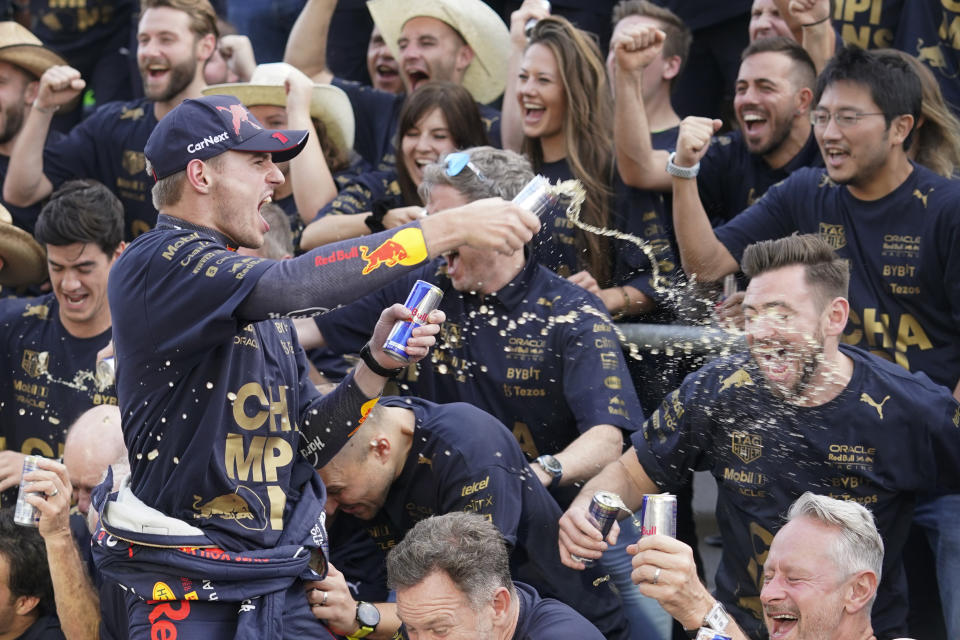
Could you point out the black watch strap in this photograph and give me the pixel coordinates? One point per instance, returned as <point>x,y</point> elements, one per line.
<point>378,212</point>
<point>375,366</point>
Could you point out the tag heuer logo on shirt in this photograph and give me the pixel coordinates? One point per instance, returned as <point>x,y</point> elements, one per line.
<point>133,162</point>
<point>746,446</point>
<point>35,362</point>
<point>833,234</point>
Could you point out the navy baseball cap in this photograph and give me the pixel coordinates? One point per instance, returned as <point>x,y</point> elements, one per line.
<point>207,127</point>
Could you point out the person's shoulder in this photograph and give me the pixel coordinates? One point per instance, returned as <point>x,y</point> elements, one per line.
<point>881,374</point>
<point>542,618</point>
<point>26,310</point>
<point>726,375</point>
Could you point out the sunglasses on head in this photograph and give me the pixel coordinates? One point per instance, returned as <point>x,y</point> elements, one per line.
<point>457,161</point>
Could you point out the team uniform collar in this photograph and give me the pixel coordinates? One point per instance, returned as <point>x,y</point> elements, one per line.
<point>166,221</point>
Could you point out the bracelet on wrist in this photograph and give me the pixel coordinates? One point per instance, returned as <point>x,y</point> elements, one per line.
<point>367,356</point>
<point>820,21</point>
<point>47,110</point>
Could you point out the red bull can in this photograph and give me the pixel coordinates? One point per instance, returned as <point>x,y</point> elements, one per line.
<point>423,298</point>
<point>710,634</point>
<point>25,514</point>
<point>535,196</point>
<point>604,509</point>
<point>658,515</point>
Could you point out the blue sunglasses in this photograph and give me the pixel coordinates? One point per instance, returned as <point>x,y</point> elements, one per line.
<point>456,162</point>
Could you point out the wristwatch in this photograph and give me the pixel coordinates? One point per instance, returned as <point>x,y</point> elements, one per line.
<point>681,172</point>
<point>717,618</point>
<point>552,466</point>
<point>375,366</point>
<point>368,617</point>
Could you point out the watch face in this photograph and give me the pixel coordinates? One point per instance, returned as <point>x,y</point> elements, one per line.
<point>368,615</point>
<point>550,464</point>
<point>718,619</point>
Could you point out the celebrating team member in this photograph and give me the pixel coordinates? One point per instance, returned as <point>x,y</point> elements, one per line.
<point>799,413</point>
<point>215,397</point>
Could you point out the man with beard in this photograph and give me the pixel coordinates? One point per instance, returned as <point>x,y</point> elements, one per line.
<point>772,101</point>
<point>799,412</point>
<point>175,39</point>
<point>23,59</point>
<point>894,220</point>
<point>452,579</point>
<point>459,41</point>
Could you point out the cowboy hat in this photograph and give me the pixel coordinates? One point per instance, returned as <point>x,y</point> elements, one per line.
<point>24,260</point>
<point>20,47</point>
<point>477,23</point>
<point>329,104</point>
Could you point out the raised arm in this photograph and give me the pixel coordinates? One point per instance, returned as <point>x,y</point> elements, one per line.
<point>511,117</point>
<point>26,183</point>
<point>701,253</point>
<point>307,43</point>
<point>813,16</point>
<point>640,165</point>
<point>313,185</point>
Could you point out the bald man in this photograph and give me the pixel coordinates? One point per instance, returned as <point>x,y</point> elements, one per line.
<point>94,443</point>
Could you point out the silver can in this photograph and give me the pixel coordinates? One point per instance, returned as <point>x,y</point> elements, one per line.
<point>603,511</point>
<point>658,515</point>
<point>709,634</point>
<point>532,22</point>
<point>535,196</point>
<point>25,513</point>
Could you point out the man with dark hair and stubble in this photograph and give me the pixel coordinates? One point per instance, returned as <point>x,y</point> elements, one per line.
<point>175,38</point>
<point>452,578</point>
<point>26,594</point>
<point>798,412</point>
<point>50,343</point>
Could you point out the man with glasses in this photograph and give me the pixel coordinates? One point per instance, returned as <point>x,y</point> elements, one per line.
<point>896,223</point>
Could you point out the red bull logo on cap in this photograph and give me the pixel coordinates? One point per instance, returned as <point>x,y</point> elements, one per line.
<point>406,247</point>
<point>240,115</point>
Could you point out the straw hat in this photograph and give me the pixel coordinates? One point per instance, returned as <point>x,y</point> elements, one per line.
<point>24,260</point>
<point>479,25</point>
<point>329,104</point>
<point>20,47</point>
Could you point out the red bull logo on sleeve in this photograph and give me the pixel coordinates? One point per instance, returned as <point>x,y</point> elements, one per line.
<point>406,247</point>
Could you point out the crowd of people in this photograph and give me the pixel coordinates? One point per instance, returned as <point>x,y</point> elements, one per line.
<point>213,210</point>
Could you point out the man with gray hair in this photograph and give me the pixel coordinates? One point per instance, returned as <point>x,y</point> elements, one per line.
<point>452,572</point>
<point>561,386</point>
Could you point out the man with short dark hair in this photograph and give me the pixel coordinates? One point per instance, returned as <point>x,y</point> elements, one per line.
<point>413,457</point>
<point>26,594</point>
<point>218,411</point>
<point>799,412</point>
<point>452,577</point>
<point>175,38</point>
<point>51,342</point>
<point>459,41</point>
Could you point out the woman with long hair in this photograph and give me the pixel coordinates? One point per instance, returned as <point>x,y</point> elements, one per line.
<point>565,110</point>
<point>437,118</point>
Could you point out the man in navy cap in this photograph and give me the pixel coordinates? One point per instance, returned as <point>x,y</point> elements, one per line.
<point>222,511</point>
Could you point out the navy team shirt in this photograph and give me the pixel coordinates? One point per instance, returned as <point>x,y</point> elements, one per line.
<point>888,435</point>
<point>211,405</point>
<point>929,30</point>
<point>904,253</point>
<point>48,378</point>
<point>463,459</point>
<point>542,619</point>
<point>108,147</point>
<point>723,198</point>
<point>540,355</point>
<point>379,111</point>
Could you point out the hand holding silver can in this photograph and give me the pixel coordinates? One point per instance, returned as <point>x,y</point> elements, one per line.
<point>535,196</point>
<point>25,514</point>
<point>532,22</point>
<point>658,515</point>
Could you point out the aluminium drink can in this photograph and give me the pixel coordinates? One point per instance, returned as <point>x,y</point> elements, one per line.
<point>25,514</point>
<point>658,515</point>
<point>535,196</point>
<point>423,298</point>
<point>532,22</point>
<point>604,509</point>
<point>710,634</point>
